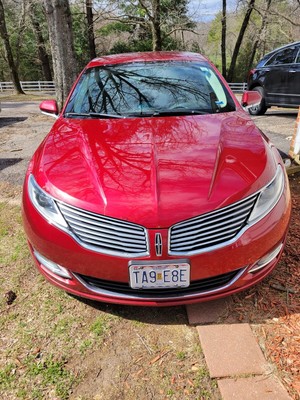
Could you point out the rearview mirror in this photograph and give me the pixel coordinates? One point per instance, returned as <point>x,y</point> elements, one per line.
<point>251,98</point>
<point>49,107</point>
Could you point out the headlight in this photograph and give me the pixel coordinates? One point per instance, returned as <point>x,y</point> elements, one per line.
<point>45,204</point>
<point>268,197</point>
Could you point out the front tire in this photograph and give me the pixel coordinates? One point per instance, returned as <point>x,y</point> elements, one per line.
<point>261,108</point>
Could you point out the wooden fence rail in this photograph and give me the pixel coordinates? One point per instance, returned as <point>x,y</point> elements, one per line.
<point>48,86</point>
<point>29,86</point>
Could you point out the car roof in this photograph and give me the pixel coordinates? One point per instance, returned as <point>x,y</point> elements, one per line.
<point>151,56</point>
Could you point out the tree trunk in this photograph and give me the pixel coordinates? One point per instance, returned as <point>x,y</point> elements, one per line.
<point>8,52</point>
<point>20,30</point>
<point>250,7</point>
<point>62,47</point>
<point>42,53</point>
<point>155,26</point>
<point>261,30</point>
<point>223,42</point>
<point>90,26</point>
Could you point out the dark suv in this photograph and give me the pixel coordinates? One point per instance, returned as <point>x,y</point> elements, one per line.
<point>277,78</point>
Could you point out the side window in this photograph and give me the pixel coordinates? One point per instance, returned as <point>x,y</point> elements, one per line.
<point>286,56</point>
<point>298,56</point>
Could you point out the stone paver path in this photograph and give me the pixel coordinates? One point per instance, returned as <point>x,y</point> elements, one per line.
<point>233,355</point>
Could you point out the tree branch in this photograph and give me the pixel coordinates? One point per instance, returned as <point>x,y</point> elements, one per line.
<point>181,29</point>
<point>284,17</point>
<point>146,9</point>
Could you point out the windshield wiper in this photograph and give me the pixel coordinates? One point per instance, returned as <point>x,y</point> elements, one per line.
<point>171,112</point>
<point>93,115</point>
<point>180,111</point>
<point>104,115</point>
<point>154,113</point>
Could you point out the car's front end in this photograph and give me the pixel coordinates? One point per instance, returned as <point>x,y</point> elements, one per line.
<point>212,271</point>
<point>156,209</point>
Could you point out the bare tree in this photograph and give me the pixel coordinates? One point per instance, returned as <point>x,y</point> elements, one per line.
<point>41,47</point>
<point>175,10</point>
<point>159,18</point>
<point>153,14</point>
<point>8,52</point>
<point>21,26</point>
<point>264,17</point>
<point>155,26</point>
<point>90,27</point>
<point>238,44</point>
<point>223,40</point>
<point>62,47</point>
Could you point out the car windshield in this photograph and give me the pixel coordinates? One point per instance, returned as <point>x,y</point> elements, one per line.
<point>148,89</point>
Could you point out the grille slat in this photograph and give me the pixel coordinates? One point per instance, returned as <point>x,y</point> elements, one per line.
<point>201,232</point>
<point>82,220</point>
<point>215,221</point>
<point>94,230</point>
<point>213,216</point>
<point>213,229</point>
<point>105,234</point>
<point>110,241</point>
<point>109,244</point>
<point>186,245</point>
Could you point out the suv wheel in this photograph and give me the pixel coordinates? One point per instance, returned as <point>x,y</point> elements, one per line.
<point>261,108</point>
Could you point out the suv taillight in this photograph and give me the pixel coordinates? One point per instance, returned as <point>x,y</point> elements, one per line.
<point>250,75</point>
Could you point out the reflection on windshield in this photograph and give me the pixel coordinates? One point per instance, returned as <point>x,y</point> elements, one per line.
<point>149,89</point>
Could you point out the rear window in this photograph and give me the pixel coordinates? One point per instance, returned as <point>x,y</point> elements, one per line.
<point>147,89</point>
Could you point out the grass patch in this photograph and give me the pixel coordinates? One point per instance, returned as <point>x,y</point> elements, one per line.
<point>50,373</point>
<point>53,345</point>
<point>181,355</point>
<point>7,376</point>
<point>44,328</point>
<point>98,327</point>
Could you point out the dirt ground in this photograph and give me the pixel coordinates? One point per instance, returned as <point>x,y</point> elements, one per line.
<point>272,308</point>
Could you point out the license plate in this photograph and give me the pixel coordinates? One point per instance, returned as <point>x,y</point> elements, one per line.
<point>162,275</point>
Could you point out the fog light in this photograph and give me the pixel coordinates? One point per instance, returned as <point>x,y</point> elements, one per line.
<point>52,267</point>
<point>266,259</point>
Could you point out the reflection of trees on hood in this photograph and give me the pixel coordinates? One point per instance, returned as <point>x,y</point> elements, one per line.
<point>134,154</point>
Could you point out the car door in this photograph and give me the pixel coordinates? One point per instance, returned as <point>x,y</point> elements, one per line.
<point>279,77</point>
<point>293,86</point>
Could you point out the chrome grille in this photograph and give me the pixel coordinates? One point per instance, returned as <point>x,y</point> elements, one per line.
<point>214,229</point>
<point>104,234</point>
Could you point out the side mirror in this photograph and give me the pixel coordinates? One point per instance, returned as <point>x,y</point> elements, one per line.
<point>49,107</point>
<point>251,99</point>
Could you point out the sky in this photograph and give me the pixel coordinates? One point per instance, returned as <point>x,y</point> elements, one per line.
<point>205,10</point>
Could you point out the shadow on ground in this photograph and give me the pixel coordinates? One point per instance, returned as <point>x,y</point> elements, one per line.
<point>150,315</point>
<point>7,121</point>
<point>8,162</point>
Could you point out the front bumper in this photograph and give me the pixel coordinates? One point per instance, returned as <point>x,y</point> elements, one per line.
<point>214,274</point>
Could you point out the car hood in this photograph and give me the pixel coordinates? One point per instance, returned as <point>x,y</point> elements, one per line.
<point>154,171</point>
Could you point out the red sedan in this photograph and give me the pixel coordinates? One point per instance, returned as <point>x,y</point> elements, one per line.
<point>154,187</point>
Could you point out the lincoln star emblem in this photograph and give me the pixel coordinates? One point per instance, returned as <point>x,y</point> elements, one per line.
<point>158,244</point>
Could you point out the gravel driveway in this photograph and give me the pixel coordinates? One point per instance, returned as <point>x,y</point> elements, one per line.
<point>22,128</point>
